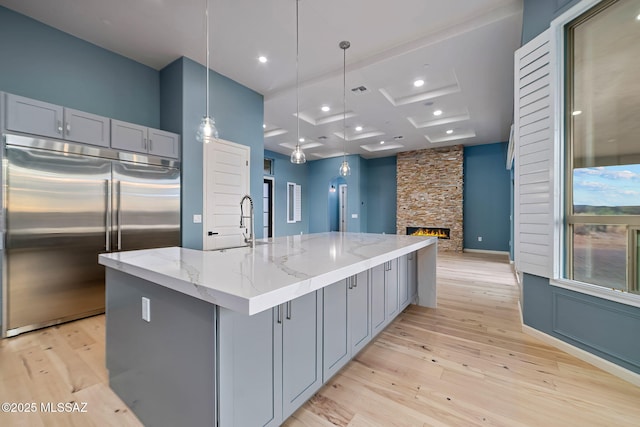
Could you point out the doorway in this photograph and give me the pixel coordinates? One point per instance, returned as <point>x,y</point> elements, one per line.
<point>342,203</point>
<point>267,206</point>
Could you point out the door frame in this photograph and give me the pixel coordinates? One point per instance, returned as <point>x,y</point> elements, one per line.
<point>272,198</point>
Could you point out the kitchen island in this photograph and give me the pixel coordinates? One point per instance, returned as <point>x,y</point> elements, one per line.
<point>245,336</point>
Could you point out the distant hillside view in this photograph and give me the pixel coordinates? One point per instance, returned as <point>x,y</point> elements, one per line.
<point>606,210</point>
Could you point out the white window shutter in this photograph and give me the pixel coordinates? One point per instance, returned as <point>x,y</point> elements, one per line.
<point>297,209</point>
<point>534,157</point>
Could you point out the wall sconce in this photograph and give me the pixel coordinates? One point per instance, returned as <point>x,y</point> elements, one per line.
<point>332,189</point>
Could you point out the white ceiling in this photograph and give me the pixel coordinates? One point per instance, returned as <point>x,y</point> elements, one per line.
<point>462,49</point>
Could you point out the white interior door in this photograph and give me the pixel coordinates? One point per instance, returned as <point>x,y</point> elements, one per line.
<point>343,207</point>
<point>226,181</point>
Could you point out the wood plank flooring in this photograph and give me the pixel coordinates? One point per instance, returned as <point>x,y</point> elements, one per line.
<point>465,363</point>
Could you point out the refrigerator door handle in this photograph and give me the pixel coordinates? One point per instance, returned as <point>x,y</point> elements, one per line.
<point>107,215</point>
<point>119,215</point>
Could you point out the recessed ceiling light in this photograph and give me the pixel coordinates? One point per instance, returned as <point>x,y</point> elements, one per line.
<point>325,108</point>
<point>418,83</point>
<point>358,128</point>
<point>638,17</point>
<point>437,113</point>
<point>264,126</point>
<point>301,140</point>
<point>576,113</point>
<point>381,142</point>
<point>262,59</point>
<point>449,132</point>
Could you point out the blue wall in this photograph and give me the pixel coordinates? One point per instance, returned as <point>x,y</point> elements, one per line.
<point>284,171</point>
<point>486,197</point>
<point>381,189</point>
<point>321,174</point>
<point>602,327</point>
<point>238,112</point>
<point>43,63</point>
<point>538,14</point>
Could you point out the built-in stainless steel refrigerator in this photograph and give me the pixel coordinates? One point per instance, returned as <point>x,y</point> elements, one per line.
<point>65,204</point>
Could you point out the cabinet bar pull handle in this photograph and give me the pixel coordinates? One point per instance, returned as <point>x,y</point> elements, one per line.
<point>119,215</point>
<point>107,216</point>
<point>68,128</point>
<point>59,126</point>
<point>289,310</point>
<point>279,314</point>
<point>150,144</point>
<point>349,282</point>
<point>355,281</point>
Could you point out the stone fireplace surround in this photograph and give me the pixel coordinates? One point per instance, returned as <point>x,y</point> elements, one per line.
<point>430,184</point>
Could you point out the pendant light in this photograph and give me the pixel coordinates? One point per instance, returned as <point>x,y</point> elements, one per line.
<point>345,170</point>
<point>297,156</point>
<point>207,131</point>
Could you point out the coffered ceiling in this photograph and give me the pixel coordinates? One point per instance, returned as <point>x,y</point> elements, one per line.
<point>462,50</point>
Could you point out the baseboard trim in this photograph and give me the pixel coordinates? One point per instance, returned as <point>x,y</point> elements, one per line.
<point>485,251</point>
<point>605,365</point>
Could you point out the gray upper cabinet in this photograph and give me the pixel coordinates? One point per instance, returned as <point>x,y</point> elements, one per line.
<point>301,350</point>
<point>141,139</point>
<point>128,136</point>
<point>34,117</point>
<point>49,120</point>
<point>164,144</point>
<point>86,128</point>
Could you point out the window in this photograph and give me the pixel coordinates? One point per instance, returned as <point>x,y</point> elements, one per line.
<point>294,202</point>
<point>602,122</point>
<point>268,166</point>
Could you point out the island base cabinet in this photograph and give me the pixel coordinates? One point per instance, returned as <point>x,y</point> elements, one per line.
<point>378,299</point>
<point>301,350</point>
<point>249,376</point>
<point>162,369</point>
<point>346,325</point>
<point>269,364</point>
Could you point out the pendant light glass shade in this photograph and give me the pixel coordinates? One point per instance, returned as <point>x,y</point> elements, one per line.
<point>207,131</point>
<point>297,157</point>
<point>345,170</point>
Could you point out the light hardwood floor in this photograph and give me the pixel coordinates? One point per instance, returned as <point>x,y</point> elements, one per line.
<point>465,363</point>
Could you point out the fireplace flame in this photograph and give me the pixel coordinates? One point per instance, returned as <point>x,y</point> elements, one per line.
<point>430,233</point>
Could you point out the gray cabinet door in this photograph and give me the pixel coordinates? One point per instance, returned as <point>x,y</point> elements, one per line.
<point>301,351</point>
<point>128,136</point>
<point>403,284</point>
<point>249,369</point>
<point>86,128</point>
<point>34,117</point>
<point>335,314</point>
<point>378,299</point>
<point>412,276</point>
<point>164,144</point>
<point>359,324</point>
<point>391,285</point>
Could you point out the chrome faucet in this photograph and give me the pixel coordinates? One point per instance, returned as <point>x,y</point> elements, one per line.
<point>252,237</point>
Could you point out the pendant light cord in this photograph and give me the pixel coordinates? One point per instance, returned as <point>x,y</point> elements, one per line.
<point>206,14</point>
<point>344,102</point>
<point>297,80</point>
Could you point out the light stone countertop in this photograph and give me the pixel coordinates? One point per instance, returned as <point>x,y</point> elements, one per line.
<point>251,280</point>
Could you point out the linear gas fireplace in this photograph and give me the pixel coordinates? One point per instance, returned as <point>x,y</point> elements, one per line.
<point>440,233</point>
